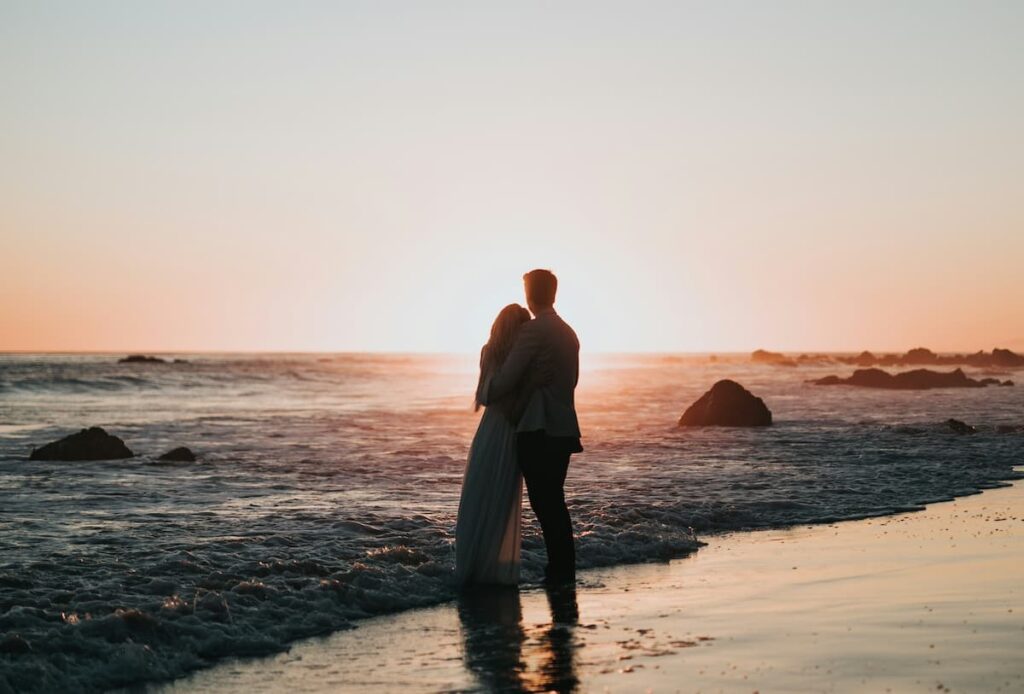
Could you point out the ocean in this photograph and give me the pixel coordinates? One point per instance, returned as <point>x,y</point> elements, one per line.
<point>327,486</point>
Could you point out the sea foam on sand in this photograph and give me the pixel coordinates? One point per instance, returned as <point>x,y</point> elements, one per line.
<point>927,601</point>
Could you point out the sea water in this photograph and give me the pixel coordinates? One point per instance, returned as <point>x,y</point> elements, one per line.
<point>327,486</point>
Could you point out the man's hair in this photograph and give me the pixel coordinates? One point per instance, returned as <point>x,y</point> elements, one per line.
<point>541,286</point>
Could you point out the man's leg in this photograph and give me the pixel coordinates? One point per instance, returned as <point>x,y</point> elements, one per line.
<point>544,467</point>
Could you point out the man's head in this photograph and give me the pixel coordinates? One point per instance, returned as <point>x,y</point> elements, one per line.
<point>541,286</point>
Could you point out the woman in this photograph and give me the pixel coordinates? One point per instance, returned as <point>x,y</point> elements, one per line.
<point>487,532</point>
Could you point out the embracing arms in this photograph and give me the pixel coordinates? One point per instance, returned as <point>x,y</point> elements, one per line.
<point>517,365</point>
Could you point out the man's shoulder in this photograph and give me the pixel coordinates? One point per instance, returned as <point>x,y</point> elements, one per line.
<point>563,326</point>
<point>552,327</point>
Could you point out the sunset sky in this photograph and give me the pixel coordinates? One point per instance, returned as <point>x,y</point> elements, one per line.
<point>711,176</point>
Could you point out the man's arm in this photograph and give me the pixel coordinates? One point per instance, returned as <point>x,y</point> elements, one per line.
<point>516,365</point>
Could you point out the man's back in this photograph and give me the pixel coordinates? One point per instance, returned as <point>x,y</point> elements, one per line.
<point>545,345</point>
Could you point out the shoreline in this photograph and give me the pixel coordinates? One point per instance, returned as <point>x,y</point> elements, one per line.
<point>927,600</point>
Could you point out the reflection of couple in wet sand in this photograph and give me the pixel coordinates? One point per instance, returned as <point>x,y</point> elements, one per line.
<point>506,655</point>
<point>528,375</point>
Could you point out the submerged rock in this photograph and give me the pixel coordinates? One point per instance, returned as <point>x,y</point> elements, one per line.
<point>958,427</point>
<point>727,404</point>
<point>88,444</point>
<point>918,379</point>
<point>141,359</point>
<point>179,454</point>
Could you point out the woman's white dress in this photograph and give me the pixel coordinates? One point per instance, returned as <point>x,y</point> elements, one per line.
<point>487,532</point>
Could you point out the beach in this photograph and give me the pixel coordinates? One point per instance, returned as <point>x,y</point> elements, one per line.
<point>914,602</point>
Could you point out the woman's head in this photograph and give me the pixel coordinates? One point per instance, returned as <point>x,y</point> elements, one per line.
<point>503,335</point>
<point>504,329</point>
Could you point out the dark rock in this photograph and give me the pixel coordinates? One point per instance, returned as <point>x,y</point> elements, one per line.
<point>918,379</point>
<point>829,381</point>
<point>959,427</point>
<point>181,361</point>
<point>865,358</point>
<point>1005,357</point>
<point>727,404</point>
<point>88,444</point>
<point>1007,382</point>
<point>141,359</point>
<point>1010,429</point>
<point>179,454</point>
<point>762,356</point>
<point>922,356</point>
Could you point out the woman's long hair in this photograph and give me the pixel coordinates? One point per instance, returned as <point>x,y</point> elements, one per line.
<point>503,335</point>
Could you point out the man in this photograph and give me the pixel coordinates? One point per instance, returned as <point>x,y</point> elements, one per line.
<point>548,432</point>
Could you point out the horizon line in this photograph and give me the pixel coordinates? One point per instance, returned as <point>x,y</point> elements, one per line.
<point>747,352</point>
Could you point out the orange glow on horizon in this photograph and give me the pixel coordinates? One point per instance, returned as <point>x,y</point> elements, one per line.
<point>821,180</point>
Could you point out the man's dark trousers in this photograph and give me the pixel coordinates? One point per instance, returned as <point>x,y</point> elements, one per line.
<point>544,461</point>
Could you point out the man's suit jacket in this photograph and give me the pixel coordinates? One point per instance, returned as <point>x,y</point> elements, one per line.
<point>546,344</point>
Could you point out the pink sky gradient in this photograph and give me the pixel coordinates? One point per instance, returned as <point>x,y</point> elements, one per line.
<point>702,177</point>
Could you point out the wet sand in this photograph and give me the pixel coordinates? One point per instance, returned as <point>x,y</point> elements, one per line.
<point>928,601</point>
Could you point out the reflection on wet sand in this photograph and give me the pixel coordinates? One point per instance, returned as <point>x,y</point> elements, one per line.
<point>505,655</point>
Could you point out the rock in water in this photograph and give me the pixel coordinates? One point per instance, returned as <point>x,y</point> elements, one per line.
<point>727,404</point>
<point>141,359</point>
<point>180,454</point>
<point>958,427</point>
<point>88,444</point>
<point>763,356</point>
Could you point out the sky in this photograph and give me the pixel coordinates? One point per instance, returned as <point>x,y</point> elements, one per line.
<point>349,176</point>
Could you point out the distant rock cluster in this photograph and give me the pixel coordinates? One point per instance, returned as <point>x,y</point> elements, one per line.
<point>918,379</point>
<point>922,356</point>
<point>147,359</point>
<point>919,356</point>
<point>141,359</point>
<point>95,443</point>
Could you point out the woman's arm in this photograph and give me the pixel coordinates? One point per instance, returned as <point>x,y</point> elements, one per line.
<point>511,373</point>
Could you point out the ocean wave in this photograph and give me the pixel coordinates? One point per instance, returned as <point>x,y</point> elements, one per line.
<point>317,503</point>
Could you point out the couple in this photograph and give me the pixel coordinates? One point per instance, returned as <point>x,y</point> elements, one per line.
<point>528,375</point>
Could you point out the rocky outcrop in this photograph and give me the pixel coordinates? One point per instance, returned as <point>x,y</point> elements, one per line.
<point>922,356</point>
<point>180,454</point>
<point>762,356</point>
<point>88,444</point>
<point>918,379</point>
<point>141,359</point>
<point>727,404</point>
<point>958,427</point>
